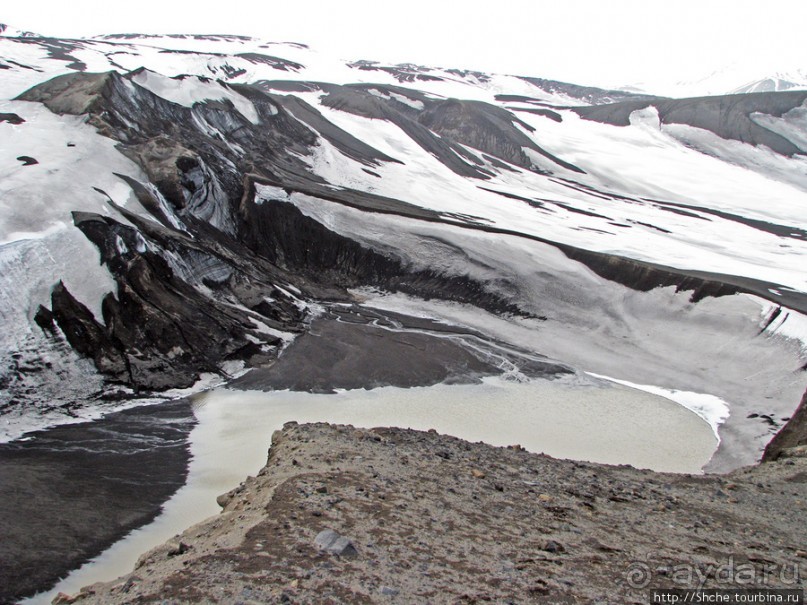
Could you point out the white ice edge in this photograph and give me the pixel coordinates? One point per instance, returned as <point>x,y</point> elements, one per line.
<point>191,90</point>
<point>712,409</point>
<point>789,324</point>
<point>642,160</point>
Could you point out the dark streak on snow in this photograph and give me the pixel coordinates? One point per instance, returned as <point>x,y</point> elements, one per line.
<point>11,118</point>
<point>59,50</point>
<point>765,226</point>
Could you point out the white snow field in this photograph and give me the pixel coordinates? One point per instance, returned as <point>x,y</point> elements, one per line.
<point>668,194</point>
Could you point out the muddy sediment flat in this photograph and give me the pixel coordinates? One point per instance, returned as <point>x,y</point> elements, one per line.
<point>352,347</point>
<point>72,491</point>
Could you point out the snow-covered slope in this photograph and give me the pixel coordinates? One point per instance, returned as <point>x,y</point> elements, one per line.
<point>732,78</point>
<point>13,32</point>
<point>230,184</point>
<point>776,82</point>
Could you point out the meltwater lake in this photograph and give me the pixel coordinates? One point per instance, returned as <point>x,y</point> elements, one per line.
<point>599,421</point>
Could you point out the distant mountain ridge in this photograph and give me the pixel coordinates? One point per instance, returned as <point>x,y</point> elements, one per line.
<point>777,82</point>
<point>13,32</point>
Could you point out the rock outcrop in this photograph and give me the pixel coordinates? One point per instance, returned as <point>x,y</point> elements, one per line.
<point>229,239</point>
<point>791,440</point>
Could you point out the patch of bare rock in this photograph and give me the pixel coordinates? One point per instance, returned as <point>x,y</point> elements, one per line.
<point>345,515</point>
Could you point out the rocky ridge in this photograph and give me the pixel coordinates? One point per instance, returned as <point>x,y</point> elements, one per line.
<point>344,515</point>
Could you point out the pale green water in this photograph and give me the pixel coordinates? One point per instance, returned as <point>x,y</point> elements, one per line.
<point>609,423</point>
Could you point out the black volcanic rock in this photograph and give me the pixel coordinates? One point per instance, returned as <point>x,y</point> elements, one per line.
<point>73,93</point>
<point>135,116</point>
<point>344,141</point>
<point>647,276</point>
<point>792,435</point>
<point>195,286</point>
<point>547,113</point>
<point>168,164</point>
<point>458,124</point>
<point>162,329</point>
<point>279,232</point>
<point>58,49</point>
<point>169,329</point>
<point>360,101</point>
<point>86,335</point>
<point>45,320</point>
<point>11,118</point>
<point>403,72</point>
<point>274,62</point>
<point>590,95</point>
<point>210,270</point>
<point>488,128</point>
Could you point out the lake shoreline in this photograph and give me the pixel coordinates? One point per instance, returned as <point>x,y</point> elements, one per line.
<point>565,417</point>
<point>344,514</point>
<point>352,347</point>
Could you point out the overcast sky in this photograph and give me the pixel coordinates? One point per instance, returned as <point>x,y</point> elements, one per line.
<point>603,42</point>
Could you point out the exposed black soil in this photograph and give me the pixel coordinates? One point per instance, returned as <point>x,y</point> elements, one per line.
<point>728,116</point>
<point>70,492</point>
<point>11,118</point>
<point>113,475</point>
